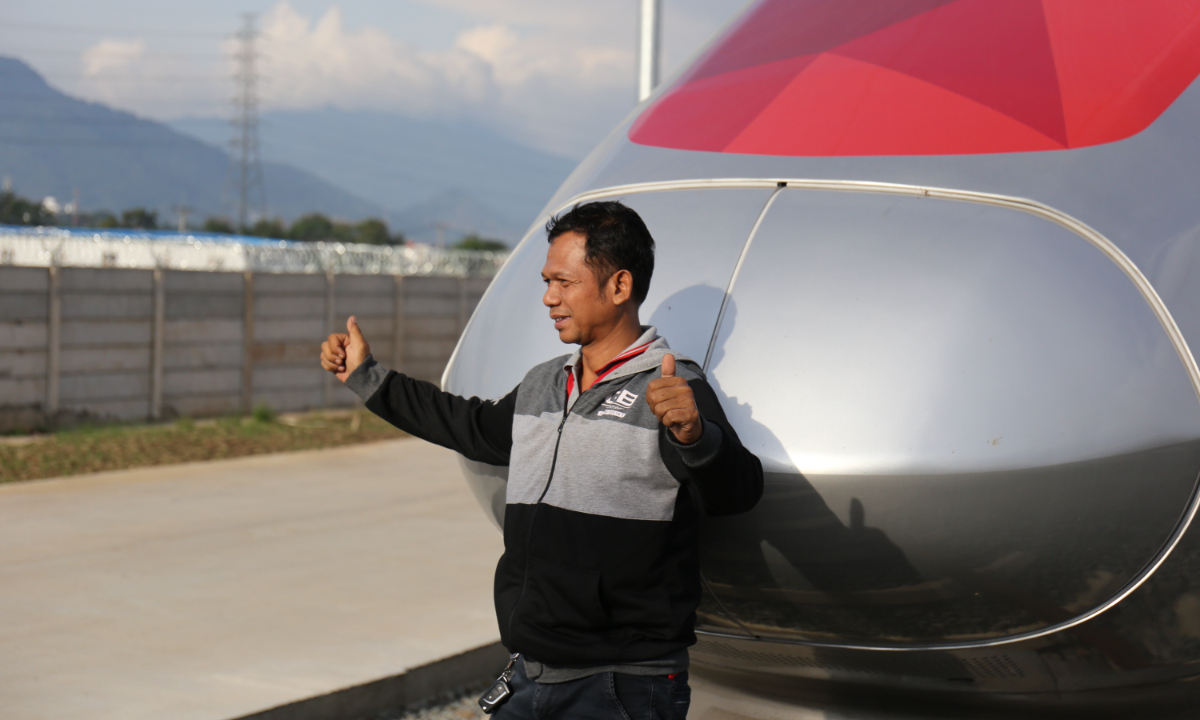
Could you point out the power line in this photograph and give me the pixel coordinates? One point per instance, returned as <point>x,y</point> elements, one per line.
<point>127,76</point>
<point>42,27</point>
<point>146,96</point>
<point>97,143</point>
<point>10,51</point>
<point>53,120</point>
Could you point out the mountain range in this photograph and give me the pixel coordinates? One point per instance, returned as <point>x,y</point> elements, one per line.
<point>427,178</point>
<point>430,171</point>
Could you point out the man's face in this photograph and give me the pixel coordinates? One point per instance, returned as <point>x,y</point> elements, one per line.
<point>580,311</point>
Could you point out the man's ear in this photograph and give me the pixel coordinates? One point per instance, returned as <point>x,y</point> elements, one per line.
<point>620,284</point>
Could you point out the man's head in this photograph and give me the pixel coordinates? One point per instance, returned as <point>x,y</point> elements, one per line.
<point>598,269</point>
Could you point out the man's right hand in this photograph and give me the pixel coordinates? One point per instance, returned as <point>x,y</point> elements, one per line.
<point>343,352</point>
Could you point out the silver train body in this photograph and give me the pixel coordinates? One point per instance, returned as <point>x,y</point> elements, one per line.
<point>970,379</point>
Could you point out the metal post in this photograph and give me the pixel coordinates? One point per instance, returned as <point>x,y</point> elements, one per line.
<point>648,47</point>
<point>53,343</point>
<point>464,312</point>
<point>158,333</point>
<point>398,323</point>
<point>247,341</point>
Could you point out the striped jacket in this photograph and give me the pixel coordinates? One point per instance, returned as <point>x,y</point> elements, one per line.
<point>600,561</point>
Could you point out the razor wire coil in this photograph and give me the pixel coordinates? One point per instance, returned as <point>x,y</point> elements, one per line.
<point>148,250</point>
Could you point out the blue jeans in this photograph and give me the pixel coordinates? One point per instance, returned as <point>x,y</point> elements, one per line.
<point>604,696</point>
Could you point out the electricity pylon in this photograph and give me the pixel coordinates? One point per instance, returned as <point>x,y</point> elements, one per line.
<point>246,165</point>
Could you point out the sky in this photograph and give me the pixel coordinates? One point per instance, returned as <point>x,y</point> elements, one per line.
<point>553,74</point>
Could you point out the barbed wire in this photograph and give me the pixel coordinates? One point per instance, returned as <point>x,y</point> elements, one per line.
<point>148,250</point>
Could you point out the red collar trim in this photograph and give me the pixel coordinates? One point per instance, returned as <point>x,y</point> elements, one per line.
<point>613,364</point>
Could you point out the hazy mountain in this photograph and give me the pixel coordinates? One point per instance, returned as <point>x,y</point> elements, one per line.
<point>51,144</point>
<point>453,213</point>
<point>412,167</point>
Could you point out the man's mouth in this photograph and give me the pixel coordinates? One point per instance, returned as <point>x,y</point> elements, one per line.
<point>560,321</point>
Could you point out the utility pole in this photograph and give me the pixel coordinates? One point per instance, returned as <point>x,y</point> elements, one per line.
<point>246,163</point>
<point>648,47</point>
<point>181,212</point>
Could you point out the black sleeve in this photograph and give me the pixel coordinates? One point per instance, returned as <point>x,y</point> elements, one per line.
<point>480,430</point>
<point>727,477</point>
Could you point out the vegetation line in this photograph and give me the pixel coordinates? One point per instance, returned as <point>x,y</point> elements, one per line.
<point>120,447</point>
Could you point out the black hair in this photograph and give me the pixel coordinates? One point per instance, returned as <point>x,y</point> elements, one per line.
<point>615,238</point>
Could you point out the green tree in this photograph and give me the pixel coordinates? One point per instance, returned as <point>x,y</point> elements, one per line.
<point>345,233</point>
<point>139,219</point>
<point>373,231</point>
<point>474,242</point>
<point>218,225</point>
<point>269,229</point>
<point>105,219</point>
<point>16,210</point>
<point>312,227</point>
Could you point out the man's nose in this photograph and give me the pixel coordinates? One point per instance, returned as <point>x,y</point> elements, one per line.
<point>550,297</point>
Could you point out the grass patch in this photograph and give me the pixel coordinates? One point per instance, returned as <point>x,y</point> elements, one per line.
<point>117,447</point>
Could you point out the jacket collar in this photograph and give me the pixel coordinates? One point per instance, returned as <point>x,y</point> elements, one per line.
<point>643,354</point>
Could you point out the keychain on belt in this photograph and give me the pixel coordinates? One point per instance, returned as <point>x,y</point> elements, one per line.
<point>500,691</point>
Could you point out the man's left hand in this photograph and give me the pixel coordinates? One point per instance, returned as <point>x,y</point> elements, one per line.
<point>672,402</point>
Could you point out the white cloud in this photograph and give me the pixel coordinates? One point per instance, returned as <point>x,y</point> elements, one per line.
<point>312,63</point>
<point>133,75</point>
<point>109,54</point>
<point>556,74</point>
<point>490,42</point>
<point>558,90</point>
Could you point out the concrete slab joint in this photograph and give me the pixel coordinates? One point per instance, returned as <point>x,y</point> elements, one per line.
<point>53,342</point>
<point>328,379</point>
<point>156,354</point>
<point>247,341</point>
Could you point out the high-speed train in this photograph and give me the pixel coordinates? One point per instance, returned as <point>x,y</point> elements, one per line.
<point>941,261</point>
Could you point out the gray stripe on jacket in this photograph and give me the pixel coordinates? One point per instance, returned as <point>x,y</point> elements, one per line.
<point>613,469</point>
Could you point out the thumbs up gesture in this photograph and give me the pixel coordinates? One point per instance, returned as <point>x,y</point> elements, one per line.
<point>672,402</point>
<point>343,352</point>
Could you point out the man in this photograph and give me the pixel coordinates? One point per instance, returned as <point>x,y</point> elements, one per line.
<point>610,450</point>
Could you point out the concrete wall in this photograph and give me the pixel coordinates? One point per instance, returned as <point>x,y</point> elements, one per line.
<point>106,344</point>
<point>24,307</point>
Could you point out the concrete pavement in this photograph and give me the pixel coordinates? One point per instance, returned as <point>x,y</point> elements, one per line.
<point>215,590</point>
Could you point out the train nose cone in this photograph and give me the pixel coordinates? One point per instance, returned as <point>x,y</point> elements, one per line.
<point>975,424</point>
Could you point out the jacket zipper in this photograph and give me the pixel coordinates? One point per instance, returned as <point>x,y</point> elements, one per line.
<point>537,506</point>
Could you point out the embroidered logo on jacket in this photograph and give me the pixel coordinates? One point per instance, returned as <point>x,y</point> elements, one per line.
<point>614,403</point>
<point>623,398</point>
